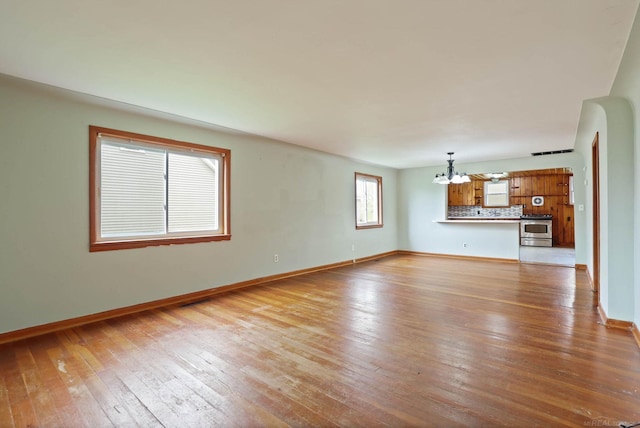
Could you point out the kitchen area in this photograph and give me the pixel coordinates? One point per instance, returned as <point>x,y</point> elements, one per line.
<point>541,201</point>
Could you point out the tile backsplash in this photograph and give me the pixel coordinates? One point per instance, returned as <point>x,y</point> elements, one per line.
<point>477,211</point>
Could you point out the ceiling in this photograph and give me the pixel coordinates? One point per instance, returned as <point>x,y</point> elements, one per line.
<point>397,83</point>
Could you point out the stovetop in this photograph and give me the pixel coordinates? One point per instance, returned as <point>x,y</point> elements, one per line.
<point>536,217</point>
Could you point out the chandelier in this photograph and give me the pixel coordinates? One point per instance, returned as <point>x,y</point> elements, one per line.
<point>451,176</point>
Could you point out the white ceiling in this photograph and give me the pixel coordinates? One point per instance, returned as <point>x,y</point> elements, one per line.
<point>397,83</point>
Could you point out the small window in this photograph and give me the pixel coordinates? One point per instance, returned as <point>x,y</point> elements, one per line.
<point>368,201</point>
<point>496,193</point>
<point>154,191</point>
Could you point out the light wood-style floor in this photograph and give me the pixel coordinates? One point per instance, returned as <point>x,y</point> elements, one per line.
<point>402,341</point>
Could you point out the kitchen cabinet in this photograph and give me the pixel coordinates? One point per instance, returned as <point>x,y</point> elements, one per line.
<point>478,191</point>
<point>461,194</point>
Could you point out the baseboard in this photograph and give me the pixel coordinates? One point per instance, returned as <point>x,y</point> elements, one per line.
<point>613,323</point>
<point>377,256</point>
<point>459,257</point>
<point>590,280</point>
<point>182,299</point>
<point>636,334</point>
<point>602,314</point>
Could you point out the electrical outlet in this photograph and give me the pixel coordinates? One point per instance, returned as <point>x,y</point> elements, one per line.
<point>276,259</point>
<point>353,247</point>
<point>465,245</point>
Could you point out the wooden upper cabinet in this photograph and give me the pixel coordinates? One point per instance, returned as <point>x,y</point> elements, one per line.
<point>461,194</point>
<point>540,185</point>
<point>516,187</point>
<point>453,195</point>
<point>478,191</point>
<point>468,194</point>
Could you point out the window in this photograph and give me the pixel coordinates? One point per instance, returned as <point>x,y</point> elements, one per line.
<point>496,193</point>
<point>368,201</point>
<point>154,191</point>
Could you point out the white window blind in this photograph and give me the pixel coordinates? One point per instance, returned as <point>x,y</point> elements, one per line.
<point>148,190</point>
<point>193,193</point>
<point>132,190</point>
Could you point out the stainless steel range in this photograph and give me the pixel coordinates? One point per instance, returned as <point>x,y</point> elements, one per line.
<point>535,230</point>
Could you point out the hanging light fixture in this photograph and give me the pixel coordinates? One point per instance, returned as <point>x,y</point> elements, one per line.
<point>451,176</point>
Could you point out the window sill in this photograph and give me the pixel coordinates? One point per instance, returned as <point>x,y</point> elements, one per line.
<point>124,245</point>
<point>369,226</point>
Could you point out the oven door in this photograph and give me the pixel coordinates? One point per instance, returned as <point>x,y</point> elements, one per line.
<point>535,229</point>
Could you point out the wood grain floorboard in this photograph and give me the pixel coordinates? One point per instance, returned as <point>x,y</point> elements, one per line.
<point>402,341</point>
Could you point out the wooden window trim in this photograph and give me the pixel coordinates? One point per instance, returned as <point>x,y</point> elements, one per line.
<point>380,222</point>
<point>96,244</point>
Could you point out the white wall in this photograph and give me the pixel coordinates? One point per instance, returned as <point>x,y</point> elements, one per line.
<point>285,199</point>
<point>421,202</point>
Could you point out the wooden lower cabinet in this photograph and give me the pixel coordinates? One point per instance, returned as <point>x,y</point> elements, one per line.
<point>565,226</point>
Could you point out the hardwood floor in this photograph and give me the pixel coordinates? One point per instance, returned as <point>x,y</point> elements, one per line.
<point>403,341</point>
